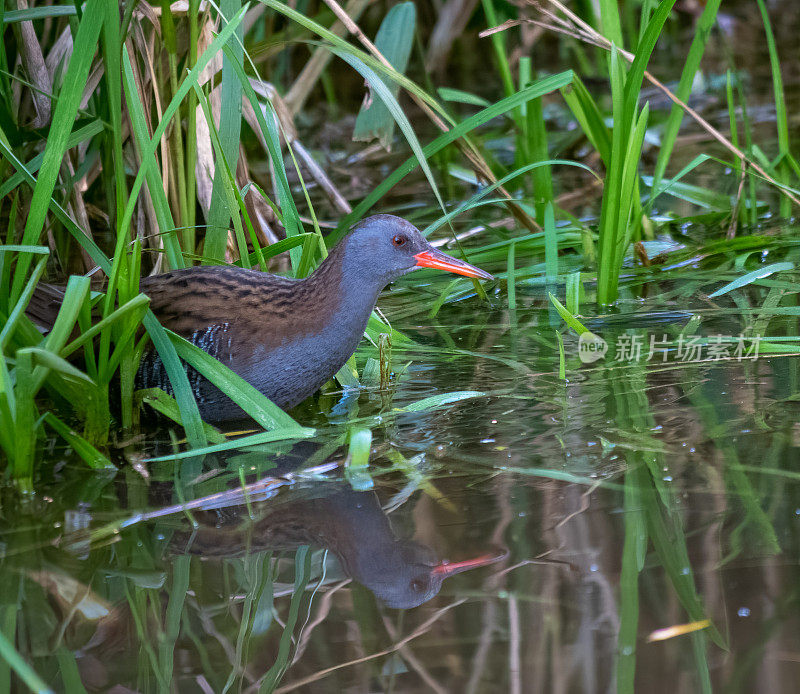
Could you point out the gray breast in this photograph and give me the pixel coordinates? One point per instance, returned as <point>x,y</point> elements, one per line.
<point>286,374</point>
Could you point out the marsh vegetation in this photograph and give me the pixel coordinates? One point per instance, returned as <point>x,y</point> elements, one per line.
<point>605,434</point>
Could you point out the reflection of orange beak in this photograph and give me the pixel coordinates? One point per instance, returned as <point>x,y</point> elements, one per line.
<point>442,261</point>
<point>450,568</point>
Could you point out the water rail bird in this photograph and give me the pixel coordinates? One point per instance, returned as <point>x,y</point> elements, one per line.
<point>285,336</point>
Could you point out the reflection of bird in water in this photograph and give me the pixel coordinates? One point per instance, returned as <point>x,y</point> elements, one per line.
<point>352,525</point>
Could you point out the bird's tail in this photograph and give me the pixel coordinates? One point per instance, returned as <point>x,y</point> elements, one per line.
<point>44,305</point>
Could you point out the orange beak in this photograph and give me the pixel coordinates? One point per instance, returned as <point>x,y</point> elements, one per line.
<point>450,568</point>
<point>441,261</point>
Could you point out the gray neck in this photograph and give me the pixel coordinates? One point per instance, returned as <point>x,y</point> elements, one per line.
<point>307,362</point>
<point>356,292</point>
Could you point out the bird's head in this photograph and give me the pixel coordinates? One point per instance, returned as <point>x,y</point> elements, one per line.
<point>386,247</point>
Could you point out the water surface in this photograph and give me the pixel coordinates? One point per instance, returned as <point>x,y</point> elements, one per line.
<point>598,508</point>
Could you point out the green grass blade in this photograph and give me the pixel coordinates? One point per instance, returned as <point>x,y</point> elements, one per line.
<point>230,124</point>
<point>32,13</point>
<point>630,170</point>
<point>538,89</point>
<point>279,247</point>
<point>190,414</point>
<point>380,90</point>
<point>672,552</point>
<point>166,405</point>
<point>498,40</point>
<point>18,664</point>
<point>701,34</point>
<point>700,195</point>
<point>573,291</point>
<point>82,134</point>
<point>341,44</point>
<point>782,120</point>
<point>88,453</point>
<point>435,401</point>
<point>550,244</point>
<point>225,184</point>
<point>632,563</point>
<point>138,304</point>
<point>394,39</point>
<point>66,109</point>
<point>68,669</point>
<point>49,360</point>
<point>536,143</point>
<point>85,242</point>
<point>24,423</point>
<point>302,568</point>
<point>112,47</point>
<point>286,434</point>
<point>188,83</point>
<point>461,97</point>
<point>511,281</point>
<point>149,165</point>
<point>252,401</point>
<point>172,617</point>
<point>76,292</point>
<point>473,201</point>
<point>610,21</point>
<point>751,277</point>
<point>269,130</point>
<point>21,304</point>
<point>589,117</point>
<point>633,81</point>
<point>568,318</point>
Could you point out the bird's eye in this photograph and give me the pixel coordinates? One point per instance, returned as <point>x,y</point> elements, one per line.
<point>399,240</point>
<point>417,585</point>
